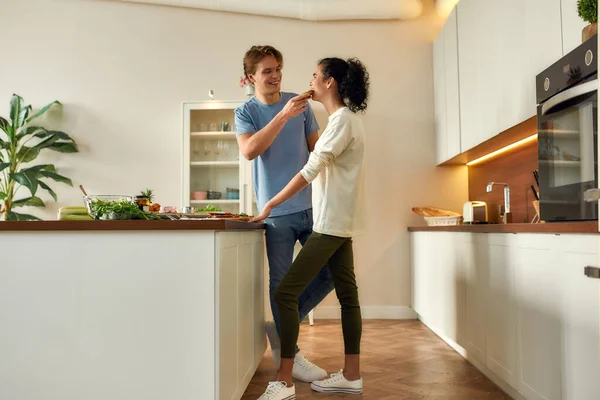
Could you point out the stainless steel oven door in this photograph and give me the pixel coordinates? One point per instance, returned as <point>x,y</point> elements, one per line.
<point>567,152</point>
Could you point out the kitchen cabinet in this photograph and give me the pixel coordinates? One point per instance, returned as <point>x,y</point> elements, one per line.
<point>214,171</point>
<point>572,25</point>
<point>440,270</point>
<point>117,318</point>
<point>498,60</point>
<point>475,300</point>
<point>473,46</point>
<point>240,320</point>
<point>525,313</point>
<point>580,350</point>
<point>539,316</point>
<point>501,307</point>
<point>446,91</point>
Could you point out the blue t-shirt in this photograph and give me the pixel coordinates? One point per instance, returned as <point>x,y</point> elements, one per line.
<point>284,158</point>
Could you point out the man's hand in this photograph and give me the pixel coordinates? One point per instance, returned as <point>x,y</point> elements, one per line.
<point>264,214</point>
<point>295,106</point>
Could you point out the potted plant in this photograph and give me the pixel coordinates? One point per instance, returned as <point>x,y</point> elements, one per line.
<point>588,11</point>
<point>21,144</point>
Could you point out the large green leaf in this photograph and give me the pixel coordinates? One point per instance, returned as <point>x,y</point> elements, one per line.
<point>32,201</point>
<point>64,147</point>
<point>16,104</point>
<point>27,154</point>
<point>42,110</point>
<point>29,180</point>
<point>46,142</point>
<point>13,216</point>
<point>56,177</point>
<point>29,130</point>
<point>59,134</point>
<point>48,189</point>
<point>3,166</point>
<point>38,168</point>
<point>43,134</point>
<point>4,125</point>
<point>23,116</point>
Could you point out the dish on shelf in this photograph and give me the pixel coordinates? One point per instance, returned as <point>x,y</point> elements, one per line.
<point>199,195</point>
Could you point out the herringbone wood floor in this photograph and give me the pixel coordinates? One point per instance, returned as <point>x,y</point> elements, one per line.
<point>401,360</point>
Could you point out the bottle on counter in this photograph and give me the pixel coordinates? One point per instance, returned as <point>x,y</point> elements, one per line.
<point>143,203</point>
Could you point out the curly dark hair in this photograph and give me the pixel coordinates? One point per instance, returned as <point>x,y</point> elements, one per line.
<point>352,79</point>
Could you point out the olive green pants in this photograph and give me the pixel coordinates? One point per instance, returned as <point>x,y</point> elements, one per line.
<point>318,250</point>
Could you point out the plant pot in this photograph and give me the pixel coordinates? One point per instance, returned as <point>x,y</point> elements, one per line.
<point>589,31</point>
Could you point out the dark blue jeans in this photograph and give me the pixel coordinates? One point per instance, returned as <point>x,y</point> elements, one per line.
<point>281,236</point>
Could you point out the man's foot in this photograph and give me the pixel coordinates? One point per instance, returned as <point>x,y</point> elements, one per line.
<point>306,371</point>
<point>337,383</point>
<point>279,391</point>
<point>274,342</point>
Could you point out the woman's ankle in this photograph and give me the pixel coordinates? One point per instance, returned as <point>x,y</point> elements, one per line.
<point>351,375</point>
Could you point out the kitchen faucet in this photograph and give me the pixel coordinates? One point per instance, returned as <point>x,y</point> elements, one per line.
<point>505,215</point>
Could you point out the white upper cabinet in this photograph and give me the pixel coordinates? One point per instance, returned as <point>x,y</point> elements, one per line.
<point>452,87</point>
<point>439,97</point>
<point>485,67</point>
<point>498,60</point>
<point>572,25</point>
<point>446,91</point>
<point>470,26</point>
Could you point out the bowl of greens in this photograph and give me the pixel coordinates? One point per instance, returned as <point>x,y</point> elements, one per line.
<point>113,207</point>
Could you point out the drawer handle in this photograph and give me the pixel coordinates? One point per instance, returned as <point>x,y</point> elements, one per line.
<point>592,272</point>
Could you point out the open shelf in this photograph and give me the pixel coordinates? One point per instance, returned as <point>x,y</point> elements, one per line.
<point>214,201</point>
<point>228,164</point>
<point>212,135</point>
<point>561,163</point>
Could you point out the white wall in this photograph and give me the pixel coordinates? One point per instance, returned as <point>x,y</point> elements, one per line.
<point>122,71</point>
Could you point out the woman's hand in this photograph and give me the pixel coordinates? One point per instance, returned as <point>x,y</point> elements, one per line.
<point>264,214</point>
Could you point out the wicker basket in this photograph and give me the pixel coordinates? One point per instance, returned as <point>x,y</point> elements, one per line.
<point>443,221</point>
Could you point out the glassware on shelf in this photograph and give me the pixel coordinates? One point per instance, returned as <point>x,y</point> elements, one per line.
<point>207,148</point>
<point>226,150</point>
<point>203,127</point>
<point>195,147</point>
<point>225,126</point>
<point>213,126</point>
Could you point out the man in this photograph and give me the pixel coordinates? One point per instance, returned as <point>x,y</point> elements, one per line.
<point>277,131</point>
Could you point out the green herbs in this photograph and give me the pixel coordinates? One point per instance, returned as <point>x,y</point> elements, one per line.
<point>118,210</point>
<point>209,208</point>
<point>588,10</point>
<point>243,214</point>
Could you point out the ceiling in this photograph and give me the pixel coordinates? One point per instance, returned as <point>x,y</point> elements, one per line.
<point>310,10</point>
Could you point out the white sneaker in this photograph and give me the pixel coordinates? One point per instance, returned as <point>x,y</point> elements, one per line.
<point>306,371</point>
<point>337,383</point>
<point>279,391</point>
<point>274,342</point>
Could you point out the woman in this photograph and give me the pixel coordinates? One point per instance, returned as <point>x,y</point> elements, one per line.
<point>342,87</point>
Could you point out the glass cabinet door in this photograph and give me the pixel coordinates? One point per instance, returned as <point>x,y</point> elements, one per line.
<point>214,161</point>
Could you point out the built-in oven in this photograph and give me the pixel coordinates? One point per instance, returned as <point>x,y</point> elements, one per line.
<point>567,135</point>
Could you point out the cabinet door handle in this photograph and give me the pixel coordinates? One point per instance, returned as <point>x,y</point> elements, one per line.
<point>592,272</point>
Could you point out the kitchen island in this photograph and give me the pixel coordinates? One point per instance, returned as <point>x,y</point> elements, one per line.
<point>130,310</point>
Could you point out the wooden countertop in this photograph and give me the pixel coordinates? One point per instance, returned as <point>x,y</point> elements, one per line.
<point>590,227</point>
<point>137,225</point>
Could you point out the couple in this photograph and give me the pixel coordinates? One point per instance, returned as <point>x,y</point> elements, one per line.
<point>279,132</point>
